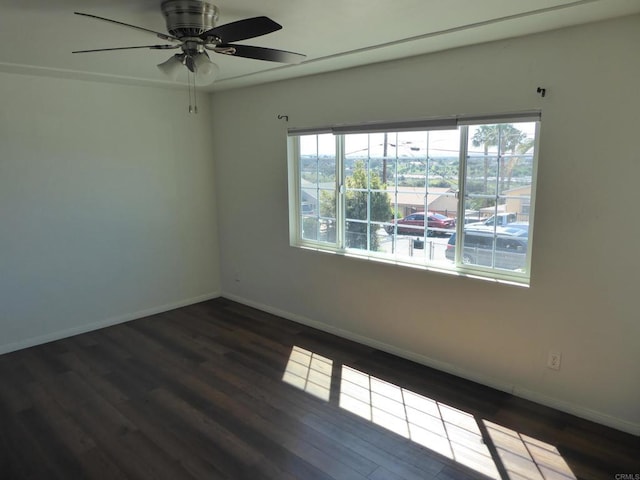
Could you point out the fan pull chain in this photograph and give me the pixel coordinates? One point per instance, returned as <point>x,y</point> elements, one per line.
<point>195,92</point>
<point>191,83</point>
<point>189,90</point>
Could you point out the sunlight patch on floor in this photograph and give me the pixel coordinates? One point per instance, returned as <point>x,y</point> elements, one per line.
<point>483,446</point>
<point>441,428</point>
<point>527,458</point>
<point>310,372</point>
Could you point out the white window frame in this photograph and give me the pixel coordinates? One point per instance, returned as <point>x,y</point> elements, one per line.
<point>338,247</point>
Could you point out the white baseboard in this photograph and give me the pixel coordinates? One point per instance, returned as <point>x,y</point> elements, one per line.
<point>578,411</point>
<point>50,337</point>
<point>561,405</point>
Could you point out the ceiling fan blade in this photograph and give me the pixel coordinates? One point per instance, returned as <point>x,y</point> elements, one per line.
<point>163,36</point>
<point>151,47</point>
<point>242,29</point>
<point>260,53</point>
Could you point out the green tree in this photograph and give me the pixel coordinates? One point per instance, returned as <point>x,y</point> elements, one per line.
<point>360,195</point>
<point>446,170</point>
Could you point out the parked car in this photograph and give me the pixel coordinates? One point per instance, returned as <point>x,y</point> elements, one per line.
<point>510,247</point>
<point>518,229</point>
<point>500,220</point>
<point>414,224</point>
<point>521,226</point>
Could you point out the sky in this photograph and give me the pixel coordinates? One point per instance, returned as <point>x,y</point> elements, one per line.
<point>437,143</point>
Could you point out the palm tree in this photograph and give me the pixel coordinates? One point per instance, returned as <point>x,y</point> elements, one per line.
<point>507,138</point>
<point>520,149</point>
<point>510,141</point>
<point>486,136</point>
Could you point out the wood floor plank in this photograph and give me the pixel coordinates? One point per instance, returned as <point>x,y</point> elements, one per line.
<point>52,449</point>
<point>173,439</point>
<point>14,377</point>
<point>221,391</point>
<point>348,434</point>
<point>19,454</point>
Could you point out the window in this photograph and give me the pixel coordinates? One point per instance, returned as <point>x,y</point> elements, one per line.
<point>405,192</point>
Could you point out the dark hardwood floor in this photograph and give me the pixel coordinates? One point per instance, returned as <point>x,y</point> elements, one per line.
<point>218,390</point>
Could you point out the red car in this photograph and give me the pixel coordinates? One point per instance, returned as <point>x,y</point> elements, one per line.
<point>414,224</point>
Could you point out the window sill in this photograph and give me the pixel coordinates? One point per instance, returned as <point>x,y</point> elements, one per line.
<point>467,272</point>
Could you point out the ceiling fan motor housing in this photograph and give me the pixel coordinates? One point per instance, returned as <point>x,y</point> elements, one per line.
<point>189,18</point>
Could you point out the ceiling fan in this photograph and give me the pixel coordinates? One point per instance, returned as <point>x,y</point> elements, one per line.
<point>191,27</point>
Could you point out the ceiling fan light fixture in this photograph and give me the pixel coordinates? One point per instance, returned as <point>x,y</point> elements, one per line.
<point>172,67</point>
<point>206,70</point>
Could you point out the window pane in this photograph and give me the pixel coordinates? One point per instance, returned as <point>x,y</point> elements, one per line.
<point>322,230</point>
<point>482,174</point>
<point>356,205</point>
<point>380,206</point>
<point>444,144</point>
<point>498,180</point>
<point>483,140</point>
<point>328,203</point>
<point>317,187</point>
<point>443,172</point>
<point>309,146</point>
<point>356,235</point>
<point>356,173</point>
<point>356,146</point>
<point>310,228</point>
<point>411,174</point>
<point>327,171</point>
<point>378,170</point>
<point>500,251</point>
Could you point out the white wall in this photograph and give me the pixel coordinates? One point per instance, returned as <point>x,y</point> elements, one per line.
<point>107,206</point>
<point>584,291</point>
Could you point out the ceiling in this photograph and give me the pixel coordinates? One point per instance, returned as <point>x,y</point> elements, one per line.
<point>39,35</point>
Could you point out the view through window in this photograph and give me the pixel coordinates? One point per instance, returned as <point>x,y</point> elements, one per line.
<point>459,197</point>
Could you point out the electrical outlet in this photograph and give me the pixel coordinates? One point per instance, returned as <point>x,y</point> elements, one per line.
<point>553,361</point>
